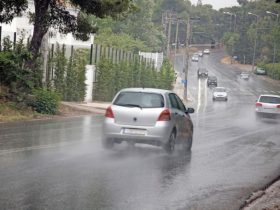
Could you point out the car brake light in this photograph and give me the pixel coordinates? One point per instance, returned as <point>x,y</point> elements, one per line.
<point>164,115</point>
<point>278,106</point>
<point>109,112</point>
<point>258,104</point>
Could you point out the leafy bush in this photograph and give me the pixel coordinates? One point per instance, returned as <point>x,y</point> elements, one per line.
<point>273,70</point>
<point>45,101</point>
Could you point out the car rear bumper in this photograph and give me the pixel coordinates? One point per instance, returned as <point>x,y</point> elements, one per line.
<point>220,98</point>
<point>212,84</point>
<point>268,115</point>
<point>154,135</point>
<point>268,111</point>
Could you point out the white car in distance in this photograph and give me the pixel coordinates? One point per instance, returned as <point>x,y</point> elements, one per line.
<point>195,58</point>
<point>220,93</point>
<point>206,51</point>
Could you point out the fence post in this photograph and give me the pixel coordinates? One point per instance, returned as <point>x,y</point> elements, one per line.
<point>113,55</point>
<point>95,54</point>
<point>117,55</point>
<point>15,39</point>
<point>100,52</point>
<point>52,52</point>
<point>0,38</point>
<point>91,52</point>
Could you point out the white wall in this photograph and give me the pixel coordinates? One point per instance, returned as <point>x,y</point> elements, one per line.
<point>90,72</point>
<point>157,58</point>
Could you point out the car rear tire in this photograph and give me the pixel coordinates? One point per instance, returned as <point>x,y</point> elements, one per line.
<point>188,144</point>
<point>108,143</point>
<point>170,145</point>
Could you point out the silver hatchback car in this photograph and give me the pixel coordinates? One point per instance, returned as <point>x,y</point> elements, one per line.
<point>268,105</point>
<point>149,116</point>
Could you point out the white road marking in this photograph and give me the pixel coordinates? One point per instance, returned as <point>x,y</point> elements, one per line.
<point>4,152</point>
<point>199,95</point>
<point>205,95</point>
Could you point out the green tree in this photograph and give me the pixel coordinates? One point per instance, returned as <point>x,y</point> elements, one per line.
<point>53,13</point>
<point>104,88</point>
<point>60,65</point>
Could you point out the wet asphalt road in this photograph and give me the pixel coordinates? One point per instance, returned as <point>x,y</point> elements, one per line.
<point>59,164</point>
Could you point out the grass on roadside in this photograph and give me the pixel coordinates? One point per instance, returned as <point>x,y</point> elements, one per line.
<point>9,111</point>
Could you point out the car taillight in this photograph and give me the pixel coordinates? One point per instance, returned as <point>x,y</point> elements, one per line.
<point>164,115</point>
<point>258,104</point>
<point>109,112</point>
<point>278,106</point>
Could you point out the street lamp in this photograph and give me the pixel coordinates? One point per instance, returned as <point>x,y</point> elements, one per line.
<point>255,43</point>
<point>274,47</point>
<point>232,14</point>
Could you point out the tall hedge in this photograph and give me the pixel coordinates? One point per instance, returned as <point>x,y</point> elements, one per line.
<point>273,70</point>
<point>113,77</point>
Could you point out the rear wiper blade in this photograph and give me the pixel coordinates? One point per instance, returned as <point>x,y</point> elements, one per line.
<point>132,105</point>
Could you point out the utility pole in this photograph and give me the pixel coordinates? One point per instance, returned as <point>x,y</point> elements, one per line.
<point>274,46</point>
<point>187,60</point>
<point>176,38</point>
<point>168,36</point>
<point>255,42</point>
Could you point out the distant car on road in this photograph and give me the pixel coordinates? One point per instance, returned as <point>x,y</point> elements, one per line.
<point>260,71</point>
<point>268,105</point>
<point>206,51</point>
<point>202,72</point>
<point>212,81</point>
<point>195,58</point>
<point>200,53</point>
<point>244,75</point>
<point>148,116</point>
<point>220,93</point>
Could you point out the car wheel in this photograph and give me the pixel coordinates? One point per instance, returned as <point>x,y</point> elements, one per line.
<point>214,99</point>
<point>170,145</point>
<point>226,99</point>
<point>108,143</point>
<point>188,144</point>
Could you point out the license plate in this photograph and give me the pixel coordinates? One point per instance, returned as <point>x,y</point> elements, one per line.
<point>133,131</point>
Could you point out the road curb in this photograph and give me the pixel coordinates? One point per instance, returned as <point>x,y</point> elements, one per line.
<point>255,196</point>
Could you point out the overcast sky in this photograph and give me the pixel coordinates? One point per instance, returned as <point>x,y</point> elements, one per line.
<point>218,4</point>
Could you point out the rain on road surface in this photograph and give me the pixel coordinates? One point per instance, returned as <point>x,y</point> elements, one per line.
<point>59,164</point>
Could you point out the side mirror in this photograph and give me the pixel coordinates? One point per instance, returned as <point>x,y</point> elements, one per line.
<point>190,110</point>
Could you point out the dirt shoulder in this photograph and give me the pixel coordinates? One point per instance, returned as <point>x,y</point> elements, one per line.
<point>12,114</point>
<point>267,199</point>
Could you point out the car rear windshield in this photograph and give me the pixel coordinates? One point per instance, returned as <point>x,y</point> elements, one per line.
<point>139,99</point>
<point>212,78</point>
<point>203,70</point>
<point>270,99</point>
<point>220,90</point>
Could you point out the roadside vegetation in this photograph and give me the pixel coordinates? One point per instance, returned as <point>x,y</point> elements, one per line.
<point>254,25</point>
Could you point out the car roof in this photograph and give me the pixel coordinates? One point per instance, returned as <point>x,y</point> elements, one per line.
<point>277,96</point>
<point>219,88</point>
<point>147,90</point>
<point>212,77</point>
<point>203,69</point>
